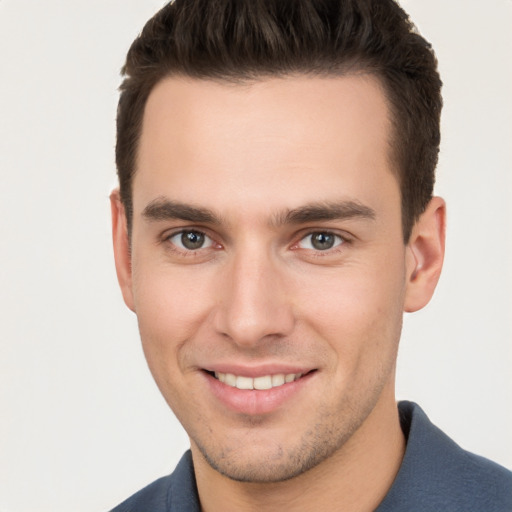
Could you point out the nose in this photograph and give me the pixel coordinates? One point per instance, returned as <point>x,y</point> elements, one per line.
<point>254,305</point>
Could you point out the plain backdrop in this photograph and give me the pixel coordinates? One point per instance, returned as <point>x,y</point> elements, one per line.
<point>82,424</point>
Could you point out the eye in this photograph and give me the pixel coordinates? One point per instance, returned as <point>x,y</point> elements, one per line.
<point>191,240</point>
<point>320,241</point>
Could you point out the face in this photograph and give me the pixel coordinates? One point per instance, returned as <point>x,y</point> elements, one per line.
<point>268,270</point>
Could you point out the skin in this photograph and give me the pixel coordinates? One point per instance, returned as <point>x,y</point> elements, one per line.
<point>259,295</point>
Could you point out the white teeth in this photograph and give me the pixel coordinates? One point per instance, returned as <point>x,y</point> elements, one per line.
<point>261,383</point>
<point>277,380</point>
<point>244,383</point>
<point>229,379</point>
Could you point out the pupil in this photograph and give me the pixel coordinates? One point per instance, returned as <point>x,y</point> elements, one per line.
<point>192,239</point>
<point>322,241</point>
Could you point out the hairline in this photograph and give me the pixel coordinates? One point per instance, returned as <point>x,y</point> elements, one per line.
<point>351,67</point>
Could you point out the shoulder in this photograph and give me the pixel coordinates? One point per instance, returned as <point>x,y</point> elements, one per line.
<point>176,492</point>
<point>437,474</point>
<point>153,497</point>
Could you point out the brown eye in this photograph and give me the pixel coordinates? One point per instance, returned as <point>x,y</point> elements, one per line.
<point>191,240</point>
<point>320,241</point>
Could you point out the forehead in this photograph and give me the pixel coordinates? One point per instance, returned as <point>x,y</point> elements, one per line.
<point>286,140</point>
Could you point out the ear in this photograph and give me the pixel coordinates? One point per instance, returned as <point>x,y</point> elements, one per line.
<point>424,255</point>
<point>122,253</point>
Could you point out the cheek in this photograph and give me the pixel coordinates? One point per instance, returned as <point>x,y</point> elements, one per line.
<point>170,308</point>
<point>358,309</point>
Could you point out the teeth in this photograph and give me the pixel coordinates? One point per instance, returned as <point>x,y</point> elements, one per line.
<point>261,383</point>
<point>278,380</point>
<point>244,383</point>
<point>289,378</point>
<point>230,380</point>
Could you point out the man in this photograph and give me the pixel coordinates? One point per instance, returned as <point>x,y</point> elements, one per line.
<point>275,218</point>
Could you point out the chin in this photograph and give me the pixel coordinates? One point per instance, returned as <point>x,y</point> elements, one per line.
<point>261,471</point>
<point>274,463</point>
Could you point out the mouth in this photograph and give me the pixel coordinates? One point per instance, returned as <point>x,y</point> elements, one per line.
<point>262,383</point>
<point>259,393</point>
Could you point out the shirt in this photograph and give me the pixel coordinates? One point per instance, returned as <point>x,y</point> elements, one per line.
<point>436,475</point>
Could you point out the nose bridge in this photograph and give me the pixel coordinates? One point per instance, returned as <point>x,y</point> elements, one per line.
<point>254,302</point>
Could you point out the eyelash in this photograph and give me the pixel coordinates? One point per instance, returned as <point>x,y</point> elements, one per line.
<point>341,241</point>
<point>183,251</point>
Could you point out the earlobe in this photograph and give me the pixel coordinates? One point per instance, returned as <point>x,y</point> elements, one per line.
<point>425,255</point>
<point>121,243</point>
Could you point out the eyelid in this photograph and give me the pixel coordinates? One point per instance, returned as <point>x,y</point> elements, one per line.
<point>208,241</point>
<point>338,240</point>
<point>344,239</point>
<point>168,235</point>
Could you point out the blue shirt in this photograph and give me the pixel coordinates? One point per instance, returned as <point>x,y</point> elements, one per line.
<point>436,475</point>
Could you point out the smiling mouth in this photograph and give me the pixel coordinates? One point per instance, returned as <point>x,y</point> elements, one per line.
<point>259,383</point>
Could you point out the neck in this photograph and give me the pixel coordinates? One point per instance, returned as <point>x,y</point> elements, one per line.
<point>356,478</point>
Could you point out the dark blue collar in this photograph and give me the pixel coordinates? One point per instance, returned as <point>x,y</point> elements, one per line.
<point>436,474</point>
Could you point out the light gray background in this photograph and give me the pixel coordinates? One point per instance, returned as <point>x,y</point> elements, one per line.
<point>82,425</point>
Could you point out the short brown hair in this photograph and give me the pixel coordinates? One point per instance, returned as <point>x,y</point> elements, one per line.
<point>239,40</point>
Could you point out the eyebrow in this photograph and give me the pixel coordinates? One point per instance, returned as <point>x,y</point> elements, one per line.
<point>162,208</point>
<point>325,211</point>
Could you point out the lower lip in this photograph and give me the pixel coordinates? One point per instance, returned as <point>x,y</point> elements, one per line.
<point>255,402</point>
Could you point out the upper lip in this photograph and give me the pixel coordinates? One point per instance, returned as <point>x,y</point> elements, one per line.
<point>257,370</point>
